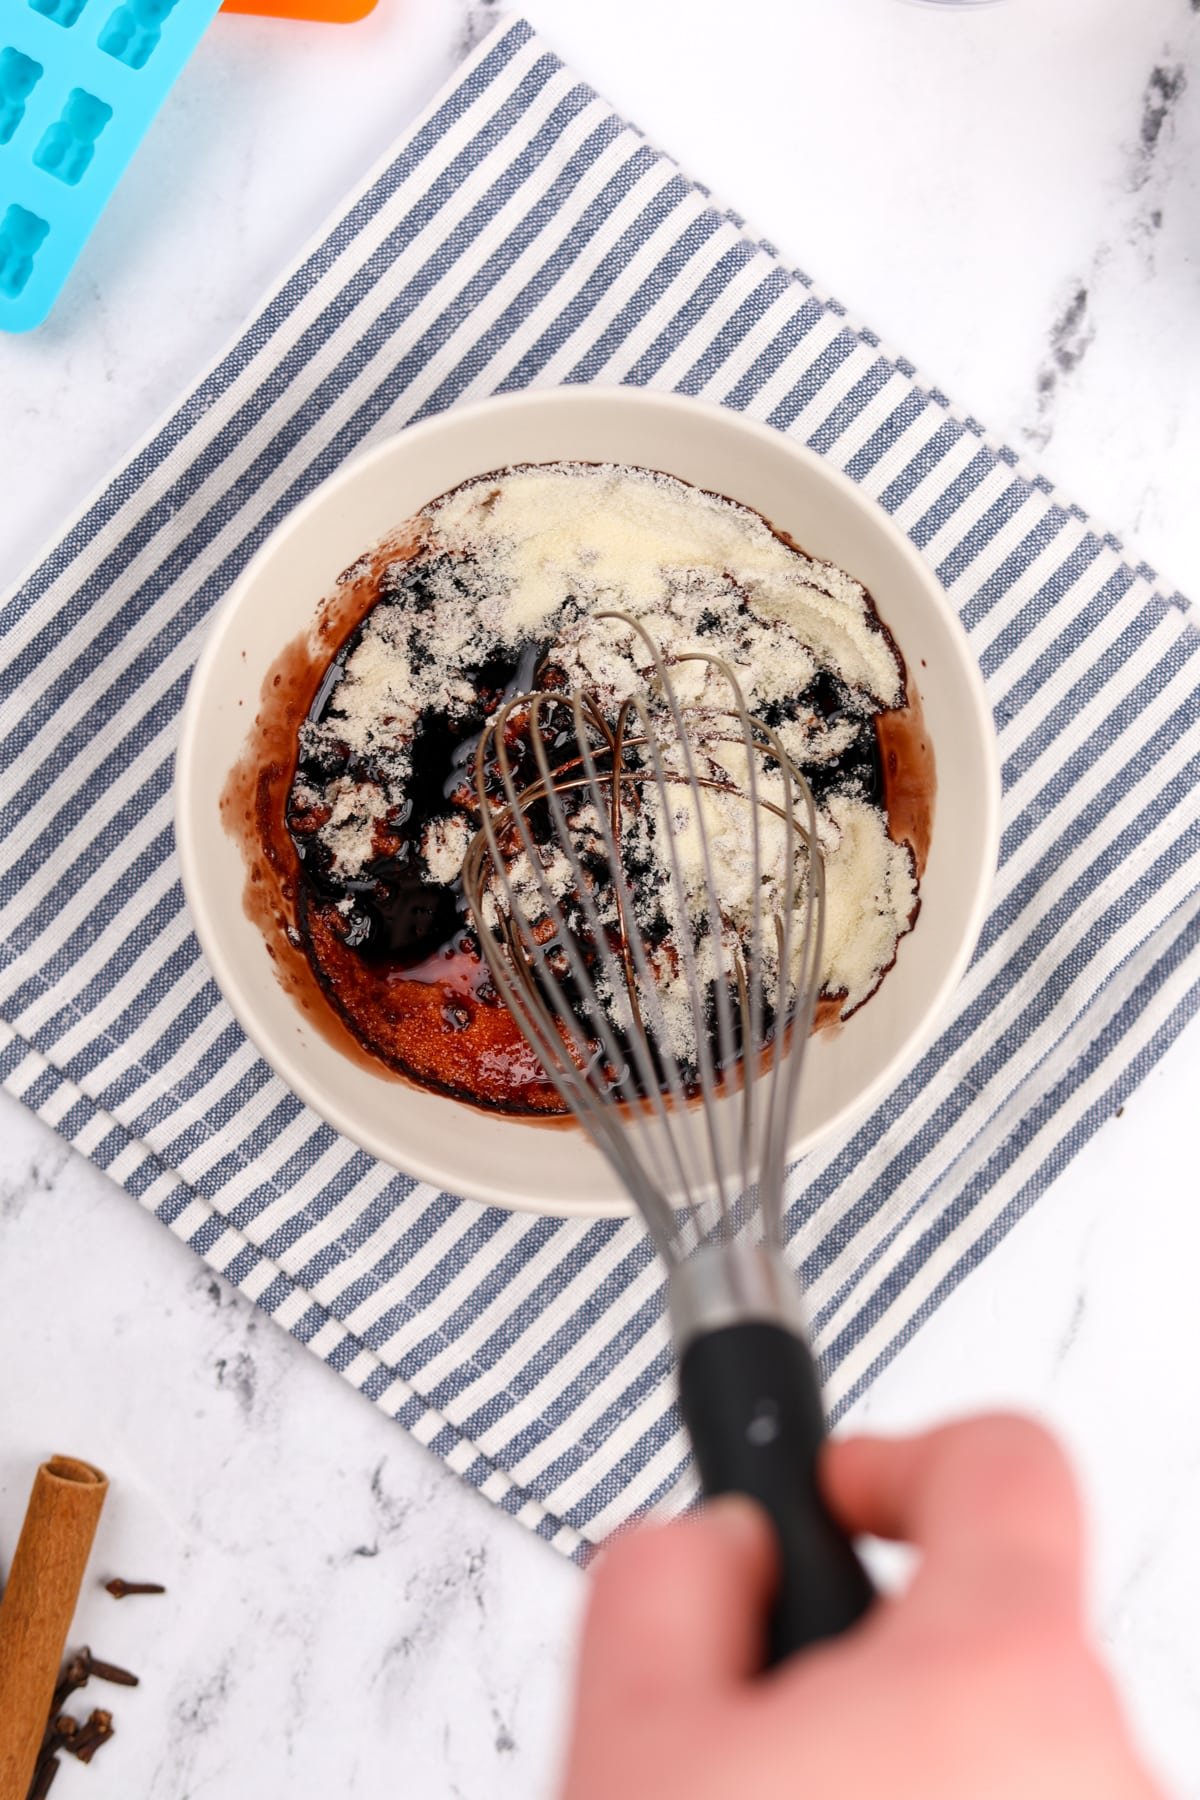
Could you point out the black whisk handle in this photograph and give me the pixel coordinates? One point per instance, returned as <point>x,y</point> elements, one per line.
<point>752,1404</point>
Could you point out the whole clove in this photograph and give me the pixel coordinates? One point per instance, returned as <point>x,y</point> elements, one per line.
<point>73,1677</point>
<point>43,1776</point>
<point>79,1670</point>
<point>106,1671</point>
<point>119,1589</point>
<point>88,1739</point>
<point>60,1734</point>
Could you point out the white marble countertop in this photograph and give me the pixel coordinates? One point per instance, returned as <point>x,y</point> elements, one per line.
<point>1010,194</point>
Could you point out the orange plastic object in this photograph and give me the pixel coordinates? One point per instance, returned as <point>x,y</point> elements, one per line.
<point>337,12</point>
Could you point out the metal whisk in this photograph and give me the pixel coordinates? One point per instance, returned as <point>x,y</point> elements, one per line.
<point>649,896</point>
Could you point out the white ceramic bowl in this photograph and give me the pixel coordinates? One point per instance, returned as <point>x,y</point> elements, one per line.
<point>482,1155</point>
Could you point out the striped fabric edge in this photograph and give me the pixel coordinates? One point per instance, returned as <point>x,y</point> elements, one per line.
<point>28,1077</point>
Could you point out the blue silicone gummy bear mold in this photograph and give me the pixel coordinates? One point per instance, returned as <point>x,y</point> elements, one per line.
<point>80,82</point>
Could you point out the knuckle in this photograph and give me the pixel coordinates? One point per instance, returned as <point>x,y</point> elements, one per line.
<point>633,1559</point>
<point>1023,1439</point>
<point>1014,1458</point>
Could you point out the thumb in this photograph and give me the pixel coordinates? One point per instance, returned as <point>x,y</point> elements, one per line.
<point>990,1502</point>
<point>679,1607</point>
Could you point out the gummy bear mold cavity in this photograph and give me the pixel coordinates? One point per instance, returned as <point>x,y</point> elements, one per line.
<point>80,83</point>
<point>68,146</point>
<point>134,31</point>
<point>21,235</point>
<point>19,75</point>
<point>63,12</point>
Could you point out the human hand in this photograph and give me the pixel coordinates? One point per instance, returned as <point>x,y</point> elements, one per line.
<point>978,1683</point>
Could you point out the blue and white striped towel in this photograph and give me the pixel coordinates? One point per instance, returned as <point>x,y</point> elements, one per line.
<point>522,234</point>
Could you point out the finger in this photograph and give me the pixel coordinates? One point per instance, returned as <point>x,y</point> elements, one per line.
<point>991,1503</point>
<point>679,1607</point>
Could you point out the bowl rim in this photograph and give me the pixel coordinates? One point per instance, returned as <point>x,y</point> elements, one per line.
<point>289,1065</point>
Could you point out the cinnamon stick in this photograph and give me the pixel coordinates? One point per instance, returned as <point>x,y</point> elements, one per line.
<point>38,1605</point>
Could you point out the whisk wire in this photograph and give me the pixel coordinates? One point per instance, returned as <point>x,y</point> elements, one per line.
<point>796,1018</point>
<point>649,1095</point>
<point>558,916</point>
<point>715,923</point>
<point>685,948</point>
<point>643,989</point>
<point>532,968</point>
<point>747,971</point>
